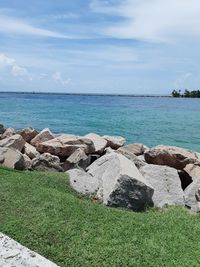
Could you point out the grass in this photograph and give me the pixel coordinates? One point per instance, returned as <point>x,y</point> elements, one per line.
<point>41,211</point>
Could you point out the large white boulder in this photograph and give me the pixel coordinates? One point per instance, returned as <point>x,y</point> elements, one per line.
<point>193,170</point>
<point>14,142</point>
<point>137,149</point>
<point>191,194</point>
<point>99,142</point>
<point>166,183</point>
<point>83,182</point>
<point>8,132</point>
<point>120,183</point>
<point>13,254</point>
<point>171,156</point>
<point>43,136</point>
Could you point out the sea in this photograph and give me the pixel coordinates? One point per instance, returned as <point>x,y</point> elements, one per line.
<point>148,120</point>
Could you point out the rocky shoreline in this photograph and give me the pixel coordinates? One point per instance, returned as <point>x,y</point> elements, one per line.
<point>128,176</point>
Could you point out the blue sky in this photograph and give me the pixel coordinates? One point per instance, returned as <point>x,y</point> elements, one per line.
<point>99,46</point>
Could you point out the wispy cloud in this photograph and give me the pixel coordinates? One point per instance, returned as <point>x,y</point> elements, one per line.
<point>13,25</point>
<point>155,20</point>
<point>57,77</point>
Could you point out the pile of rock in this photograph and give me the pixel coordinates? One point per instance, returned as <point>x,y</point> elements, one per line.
<point>128,176</point>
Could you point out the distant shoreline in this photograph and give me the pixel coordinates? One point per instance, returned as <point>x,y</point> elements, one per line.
<point>83,94</point>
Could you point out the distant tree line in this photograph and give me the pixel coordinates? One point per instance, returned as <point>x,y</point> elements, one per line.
<point>192,94</point>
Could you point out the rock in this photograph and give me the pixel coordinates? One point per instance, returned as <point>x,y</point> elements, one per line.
<point>46,162</point>
<point>11,158</point>
<point>31,151</point>
<point>193,170</point>
<point>65,145</point>
<point>99,142</point>
<point>27,162</point>
<point>2,129</point>
<point>8,133</point>
<point>166,184</point>
<point>77,160</point>
<point>137,149</point>
<point>131,156</point>
<point>114,142</point>
<point>28,134</point>
<point>15,142</point>
<point>83,182</point>
<point>171,156</point>
<point>120,183</point>
<point>43,136</point>
<point>13,254</point>
<point>191,192</point>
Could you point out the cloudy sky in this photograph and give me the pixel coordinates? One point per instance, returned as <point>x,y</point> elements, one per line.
<point>99,46</point>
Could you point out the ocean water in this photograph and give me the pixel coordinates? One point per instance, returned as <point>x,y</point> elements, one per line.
<point>148,120</point>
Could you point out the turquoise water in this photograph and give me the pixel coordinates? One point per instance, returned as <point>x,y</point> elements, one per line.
<point>149,120</point>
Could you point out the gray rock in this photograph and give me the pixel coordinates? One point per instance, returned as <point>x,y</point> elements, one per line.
<point>27,162</point>
<point>28,134</point>
<point>131,156</point>
<point>99,142</point>
<point>137,149</point>
<point>191,193</point>
<point>2,129</point>
<point>31,151</point>
<point>8,133</point>
<point>114,142</point>
<point>83,182</point>
<point>43,136</point>
<point>46,162</point>
<point>166,184</point>
<point>120,183</point>
<point>193,170</point>
<point>77,160</point>
<point>11,158</point>
<point>13,254</point>
<point>65,145</point>
<point>171,156</point>
<point>15,142</point>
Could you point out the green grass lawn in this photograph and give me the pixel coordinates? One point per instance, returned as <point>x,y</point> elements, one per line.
<point>41,211</point>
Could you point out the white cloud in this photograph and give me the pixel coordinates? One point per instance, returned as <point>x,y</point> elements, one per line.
<point>155,20</point>
<point>63,16</point>
<point>13,25</point>
<point>12,67</point>
<point>57,77</point>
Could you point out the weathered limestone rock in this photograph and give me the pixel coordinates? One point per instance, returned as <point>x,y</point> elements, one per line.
<point>83,182</point>
<point>31,151</point>
<point>2,129</point>
<point>166,184</point>
<point>114,142</point>
<point>137,149</point>
<point>15,142</point>
<point>120,183</point>
<point>190,194</point>
<point>13,254</point>
<point>99,142</point>
<point>8,133</point>
<point>11,158</point>
<point>65,145</point>
<point>46,162</point>
<point>131,156</point>
<point>171,156</point>
<point>77,160</point>
<point>43,136</point>
<point>27,162</point>
<point>28,134</point>
<point>193,170</point>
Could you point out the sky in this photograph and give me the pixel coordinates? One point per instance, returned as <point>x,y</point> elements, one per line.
<point>99,46</point>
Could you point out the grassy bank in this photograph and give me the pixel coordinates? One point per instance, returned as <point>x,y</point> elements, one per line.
<point>40,211</point>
